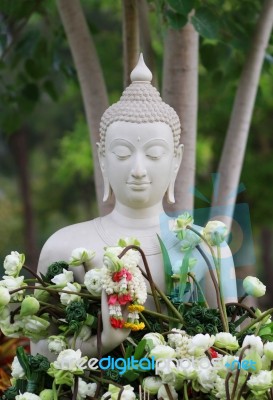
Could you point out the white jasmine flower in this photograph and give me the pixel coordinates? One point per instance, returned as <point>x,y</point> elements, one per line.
<point>113,391</point>
<point>111,261</point>
<point>93,281</point>
<point>167,371</point>
<point>225,340</point>
<point>27,396</point>
<point>67,298</point>
<point>151,384</point>
<point>12,283</point>
<point>34,324</point>
<point>70,360</point>
<point>13,263</point>
<point>162,351</point>
<point>268,350</point>
<point>200,343</point>
<point>260,382</point>
<point>182,221</point>
<point>255,342</point>
<point>17,370</point>
<point>186,370</point>
<point>4,316</point>
<point>81,256</point>
<point>215,232</point>
<point>162,393</point>
<point>4,296</point>
<point>206,378</point>
<point>153,339</point>
<point>253,286</point>
<point>85,389</point>
<point>64,278</point>
<point>56,344</point>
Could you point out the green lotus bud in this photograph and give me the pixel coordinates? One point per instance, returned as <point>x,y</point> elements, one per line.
<point>4,296</point>
<point>46,394</point>
<point>253,286</point>
<point>41,295</point>
<point>30,306</point>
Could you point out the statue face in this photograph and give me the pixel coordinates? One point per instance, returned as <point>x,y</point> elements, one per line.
<point>139,162</point>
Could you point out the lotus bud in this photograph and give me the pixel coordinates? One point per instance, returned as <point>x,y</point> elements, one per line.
<point>30,306</point>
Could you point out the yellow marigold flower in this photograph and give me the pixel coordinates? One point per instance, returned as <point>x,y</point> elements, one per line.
<point>136,308</point>
<point>138,327</point>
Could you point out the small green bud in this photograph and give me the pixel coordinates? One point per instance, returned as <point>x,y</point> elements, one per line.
<point>30,306</point>
<point>46,394</point>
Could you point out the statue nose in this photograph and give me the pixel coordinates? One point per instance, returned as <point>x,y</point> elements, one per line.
<point>139,170</point>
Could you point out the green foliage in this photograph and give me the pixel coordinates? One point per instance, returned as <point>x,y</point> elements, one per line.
<point>74,159</point>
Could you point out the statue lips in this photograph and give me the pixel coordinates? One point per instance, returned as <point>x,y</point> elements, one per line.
<point>138,185</point>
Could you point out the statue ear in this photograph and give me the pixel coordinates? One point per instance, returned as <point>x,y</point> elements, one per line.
<point>107,188</point>
<point>176,166</point>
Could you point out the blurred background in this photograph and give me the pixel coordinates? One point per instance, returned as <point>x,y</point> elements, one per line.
<point>46,163</point>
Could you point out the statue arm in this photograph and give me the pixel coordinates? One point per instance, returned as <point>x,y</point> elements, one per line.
<point>110,336</point>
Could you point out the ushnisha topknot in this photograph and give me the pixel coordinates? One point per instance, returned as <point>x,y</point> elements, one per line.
<point>140,102</point>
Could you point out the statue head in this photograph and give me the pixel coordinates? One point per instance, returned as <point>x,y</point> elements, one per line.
<point>140,124</point>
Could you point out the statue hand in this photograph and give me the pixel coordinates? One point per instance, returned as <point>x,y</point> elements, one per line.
<point>111,337</point>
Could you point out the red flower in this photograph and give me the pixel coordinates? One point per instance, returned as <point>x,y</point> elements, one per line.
<point>117,276</point>
<point>112,299</point>
<point>116,323</point>
<point>124,299</point>
<point>213,353</point>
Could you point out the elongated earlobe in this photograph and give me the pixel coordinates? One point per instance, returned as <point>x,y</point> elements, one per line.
<point>107,190</point>
<point>176,165</point>
<point>170,193</point>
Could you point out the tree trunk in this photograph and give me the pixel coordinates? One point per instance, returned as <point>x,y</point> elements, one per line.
<point>90,78</point>
<point>180,87</point>
<point>18,146</point>
<point>130,33</point>
<point>267,262</point>
<point>230,166</point>
<point>146,40</point>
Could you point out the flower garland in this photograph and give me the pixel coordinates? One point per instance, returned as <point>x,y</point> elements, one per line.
<point>124,284</point>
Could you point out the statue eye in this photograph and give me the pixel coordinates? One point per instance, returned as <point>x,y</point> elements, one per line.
<point>155,152</point>
<point>122,152</point>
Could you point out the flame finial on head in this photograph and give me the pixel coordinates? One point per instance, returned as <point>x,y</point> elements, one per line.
<point>141,72</point>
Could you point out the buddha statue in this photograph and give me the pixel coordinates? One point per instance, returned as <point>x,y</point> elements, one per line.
<point>140,156</point>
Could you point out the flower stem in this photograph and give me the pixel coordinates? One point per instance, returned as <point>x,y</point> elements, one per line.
<point>186,391</point>
<point>258,319</point>
<point>199,288</point>
<point>217,263</point>
<point>218,296</point>
<point>162,316</point>
<point>39,279</point>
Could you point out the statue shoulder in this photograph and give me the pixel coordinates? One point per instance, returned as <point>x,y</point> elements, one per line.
<point>60,245</point>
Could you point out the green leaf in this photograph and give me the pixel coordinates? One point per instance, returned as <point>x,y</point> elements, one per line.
<point>23,360</point>
<point>129,351</point>
<point>167,266</point>
<point>140,350</point>
<point>50,89</point>
<point>206,23</point>
<point>182,6</point>
<point>184,274</point>
<point>130,375</point>
<point>33,69</point>
<point>175,20</point>
<point>31,92</point>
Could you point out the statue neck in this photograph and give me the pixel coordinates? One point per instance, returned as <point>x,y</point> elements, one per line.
<point>147,218</point>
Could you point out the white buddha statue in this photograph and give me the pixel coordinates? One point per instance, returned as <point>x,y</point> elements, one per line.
<point>140,156</point>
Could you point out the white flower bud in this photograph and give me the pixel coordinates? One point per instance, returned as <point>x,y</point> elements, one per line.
<point>253,286</point>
